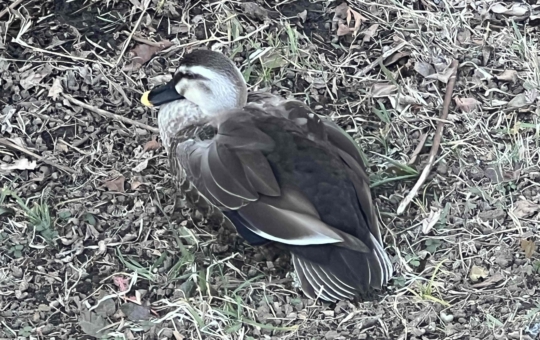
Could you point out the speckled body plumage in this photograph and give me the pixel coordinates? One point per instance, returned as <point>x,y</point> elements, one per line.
<point>173,117</point>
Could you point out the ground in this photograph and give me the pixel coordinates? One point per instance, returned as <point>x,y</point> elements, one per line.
<point>87,207</point>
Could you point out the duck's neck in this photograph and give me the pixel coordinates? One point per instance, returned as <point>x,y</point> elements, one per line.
<point>175,116</point>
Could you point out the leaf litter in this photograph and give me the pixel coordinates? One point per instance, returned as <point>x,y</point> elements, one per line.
<point>383,58</point>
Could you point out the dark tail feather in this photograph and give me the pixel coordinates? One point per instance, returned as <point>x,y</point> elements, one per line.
<point>334,273</point>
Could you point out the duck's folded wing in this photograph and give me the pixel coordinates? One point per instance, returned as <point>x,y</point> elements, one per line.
<point>232,172</point>
<point>350,153</point>
<point>323,129</point>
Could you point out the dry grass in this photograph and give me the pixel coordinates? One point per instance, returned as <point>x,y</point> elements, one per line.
<point>90,242</point>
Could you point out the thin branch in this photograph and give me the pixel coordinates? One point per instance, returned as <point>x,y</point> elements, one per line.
<point>436,140</point>
<point>12,6</point>
<point>87,137</point>
<point>110,115</point>
<point>14,146</point>
<point>143,40</point>
<point>418,149</point>
<point>126,44</point>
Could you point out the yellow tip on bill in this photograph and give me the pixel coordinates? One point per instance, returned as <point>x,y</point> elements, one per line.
<point>144,99</point>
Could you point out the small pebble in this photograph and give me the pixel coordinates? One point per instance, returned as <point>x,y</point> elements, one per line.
<point>447,318</point>
<point>331,335</point>
<point>17,272</point>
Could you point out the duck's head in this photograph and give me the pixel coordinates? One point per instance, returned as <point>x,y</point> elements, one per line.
<point>205,78</point>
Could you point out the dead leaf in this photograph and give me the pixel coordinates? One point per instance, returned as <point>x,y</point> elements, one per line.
<point>254,11</point>
<point>92,324</point>
<point>56,88</point>
<point>8,111</point>
<point>466,105</point>
<point>343,30</point>
<point>143,53</point>
<point>396,57</point>
<point>529,247</point>
<point>121,282</point>
<point>116,184</point>
<point>136,182</point>
<point>429,222</point>
<point>489,282</point>
<point>19,164</point>
<point>443,76</point>
<point>135,312</point>
<point>477,273</point>
<point>517,9</point>
<point>508,75</point>
<point>382,90</point>
<point>273,59</point>
<point>425,69</point>
<point>106,307</point>
<point>91,232</point>
<point>518,101</point>
<point>343,16</point>
<point>358,18</point>
<point>464,36</point>
<point>151,145</point>
<point>62,147</point>
<point>141,166</point>
<point>341,11</point>
<point>303,15</point>
<point>525,208</point>
<point>480,74</point>
<point>31,78</point>
<point>370,32</point>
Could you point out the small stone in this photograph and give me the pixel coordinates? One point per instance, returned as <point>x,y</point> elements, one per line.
<point>47,329</point>
<point>447,318</point>
<point>17,272</point>
<point>331,335</point>
<point>36,317</point>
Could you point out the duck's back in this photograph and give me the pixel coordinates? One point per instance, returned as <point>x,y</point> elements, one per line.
<point>282,174</point>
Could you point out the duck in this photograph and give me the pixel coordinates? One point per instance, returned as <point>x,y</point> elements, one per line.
<point>279,172</point>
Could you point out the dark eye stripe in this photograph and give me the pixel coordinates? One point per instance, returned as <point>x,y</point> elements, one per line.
<point>186,75</point>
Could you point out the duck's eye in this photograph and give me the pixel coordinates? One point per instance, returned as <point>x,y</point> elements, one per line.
<point>190,76</point>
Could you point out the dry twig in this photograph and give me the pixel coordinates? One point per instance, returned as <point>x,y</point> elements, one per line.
<point>436,140</point>
<point>146,3</point>
<point>14,146</point>
<point>12,6</point>
<point>85,138</point>
<point>419,147</point>
<point>111,115</point>
<point>376,62</point>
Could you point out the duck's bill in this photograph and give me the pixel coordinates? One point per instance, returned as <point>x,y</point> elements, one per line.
<point>160,95</point>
